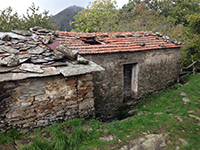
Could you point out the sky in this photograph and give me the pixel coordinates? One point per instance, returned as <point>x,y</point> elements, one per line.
<point>54,6</point>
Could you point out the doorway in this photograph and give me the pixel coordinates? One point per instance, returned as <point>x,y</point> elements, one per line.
<point>130,81</point>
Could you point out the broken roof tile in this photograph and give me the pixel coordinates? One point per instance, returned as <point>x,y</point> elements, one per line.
<point>6,37</point>
<point>38,60</point>
<point>137,35</point>
<point>72,70</point>
<point>6,69</point>
<point>10,61</point>
<point>5,54</point>
<point>53,45</point>
<point>159,34</point>
<point>31,68</point>
<point>56,64</point>
<point>37,50</point>
<point>1,51</point>
<point>120,35</point>
<point>47,40</point>
<point>146,34</point>
<point>102,35</point>
<point>9,49</point>
<point>82,60</point>
<point>23,75</point>
<point>129,34</point>
<point>22,32</point>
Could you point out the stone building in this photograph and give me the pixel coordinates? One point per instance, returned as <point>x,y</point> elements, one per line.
<point>42,82</point>
<point>136,64</point>
<point>48,77</point>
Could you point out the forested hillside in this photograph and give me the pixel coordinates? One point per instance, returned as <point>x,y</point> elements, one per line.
<point>61,20</point>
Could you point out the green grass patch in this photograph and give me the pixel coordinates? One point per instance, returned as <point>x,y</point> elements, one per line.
<point>38,144</point>
<point>159,113</point>
<point>9,136</point>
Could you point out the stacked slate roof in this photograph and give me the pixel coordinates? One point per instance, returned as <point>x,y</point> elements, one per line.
<point>37,53</point>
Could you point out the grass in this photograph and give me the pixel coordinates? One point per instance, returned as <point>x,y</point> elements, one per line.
<point>71,135</point>
<point>38,144</point>
<point>9,137</point>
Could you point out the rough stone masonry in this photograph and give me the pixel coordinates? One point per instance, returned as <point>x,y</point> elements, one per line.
<point>38,102</point>
<point>157,69</point>
<point>42,81</point>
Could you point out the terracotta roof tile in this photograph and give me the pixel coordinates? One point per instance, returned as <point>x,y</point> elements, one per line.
<point>4,54</point>
<point>110,43</point>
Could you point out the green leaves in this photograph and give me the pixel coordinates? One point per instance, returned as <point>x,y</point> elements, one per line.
<point>12,21</point>
<point>192,43</point>
<point>8,20</point>
<point>180,9</point>
<point>97,14</point>
<point>174,10</point>
<point>34,18</point>
<point>183,17</point>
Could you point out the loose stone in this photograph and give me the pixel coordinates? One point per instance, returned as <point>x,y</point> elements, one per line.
<point>183,94</point>
<point>47,40</point>
<point>186,100</point>
<point>108,138</point>
<point>183,141</point>
<point>6,37</point>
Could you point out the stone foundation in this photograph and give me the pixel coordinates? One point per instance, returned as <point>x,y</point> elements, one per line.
<point>38,102</point>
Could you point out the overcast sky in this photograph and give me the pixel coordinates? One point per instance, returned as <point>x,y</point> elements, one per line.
<point>54,6</point>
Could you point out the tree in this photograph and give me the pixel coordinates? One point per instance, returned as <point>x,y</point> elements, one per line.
<point>192,43</point>
<point>9,21</point>
<point>96,15</point>
<point>130,7</point>
<point>142,19</point>
<point>175,10</point>
<point>145,21</point>
<point>183,16</point>
<point>179,9</point>
<point>12,21</point>
<point>34,18</point>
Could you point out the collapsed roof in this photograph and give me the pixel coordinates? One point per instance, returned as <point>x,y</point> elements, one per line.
<point>37,53</point>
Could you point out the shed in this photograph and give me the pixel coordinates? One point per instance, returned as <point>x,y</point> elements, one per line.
<point>136,63</point>
<point>41,81</point>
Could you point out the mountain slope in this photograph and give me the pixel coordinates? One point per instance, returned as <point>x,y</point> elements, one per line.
<point>61,20</point>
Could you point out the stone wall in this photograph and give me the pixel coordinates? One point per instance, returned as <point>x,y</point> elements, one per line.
<point>156,70</point>
<point>38,102</point>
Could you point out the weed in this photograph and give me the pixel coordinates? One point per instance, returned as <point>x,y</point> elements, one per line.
<point>38,144</point>
<point>38,131</point>
<point>9,136</point>
<point>70,134</point>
